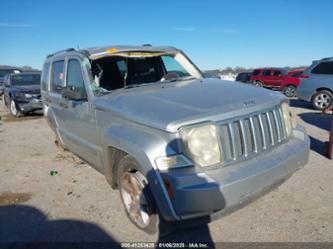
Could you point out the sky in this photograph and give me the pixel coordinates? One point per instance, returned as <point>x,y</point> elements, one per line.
<point>214,34</point>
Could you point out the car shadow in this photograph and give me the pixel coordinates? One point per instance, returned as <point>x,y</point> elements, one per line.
<point>293,102</point>
<point>23,226</point>
<point>322,121</point>
<point>319,146</point>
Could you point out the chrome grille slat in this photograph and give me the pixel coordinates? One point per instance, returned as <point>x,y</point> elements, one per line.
<point>277,123</point>
<point>263,135</point>
<point>243,138</point>
<point>251,135</point>
<point>232,140</point>
<point>282,124</point>
<point>254,135</point>
<point>270,128</point>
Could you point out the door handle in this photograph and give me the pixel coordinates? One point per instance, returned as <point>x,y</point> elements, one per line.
<point>63,105</point>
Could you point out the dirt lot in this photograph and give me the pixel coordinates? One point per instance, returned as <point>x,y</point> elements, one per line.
<point>77,204</point>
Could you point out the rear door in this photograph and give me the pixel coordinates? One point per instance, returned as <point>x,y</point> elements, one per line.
<point>322,75</point>
<point>276,78</point>
<point>267,77</point>
<point>51,95</point>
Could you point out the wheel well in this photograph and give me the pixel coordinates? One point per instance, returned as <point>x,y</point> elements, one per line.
<point>114,157</point>
<point>324,88</point>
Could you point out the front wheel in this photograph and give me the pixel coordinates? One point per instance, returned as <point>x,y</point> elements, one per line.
<point>136,196</point>
<point>13,110</point>
<point>290,91</point>
<point>323,99</point>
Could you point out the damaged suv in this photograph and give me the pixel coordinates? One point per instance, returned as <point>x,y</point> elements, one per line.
<point>176,145</point>
<point>22,93</point>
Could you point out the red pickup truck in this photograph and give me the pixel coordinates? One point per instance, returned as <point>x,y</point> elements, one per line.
<point>277,78</point>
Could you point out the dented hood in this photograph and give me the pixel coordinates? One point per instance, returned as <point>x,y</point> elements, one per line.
<point>169,106</point>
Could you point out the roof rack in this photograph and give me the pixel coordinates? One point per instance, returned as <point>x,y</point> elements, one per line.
<point>61,51</point>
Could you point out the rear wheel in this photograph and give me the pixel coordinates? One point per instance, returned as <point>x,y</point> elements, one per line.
<point>290,91</point>
<point>136,196</point>
<point>322,100</point>
<point>257,83</point>
<point>13,109</point>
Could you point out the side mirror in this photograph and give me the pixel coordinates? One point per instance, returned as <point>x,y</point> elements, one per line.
<point>72,93</point>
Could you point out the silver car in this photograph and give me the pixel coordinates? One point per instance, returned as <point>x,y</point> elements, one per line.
<point>317,84</point>
<point>177,146</point>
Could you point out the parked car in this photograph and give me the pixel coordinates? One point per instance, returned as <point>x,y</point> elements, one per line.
<point>317,84</point>
<point>290,83</point>
<point>5,70</point>
<point>210,75</point>
<point>268,77</point>
<point>176,145</point>
<point>243,77</point>
<point>22,93</point>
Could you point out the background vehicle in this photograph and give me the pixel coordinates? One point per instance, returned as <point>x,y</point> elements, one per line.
<point>5,70</point>
<point>22,93</point>
<point>176,145</point>
<point>317,84</point>
<point>209,75</point>
<point>290,83</point>
<point>268,77</point>
<point>243,77</point>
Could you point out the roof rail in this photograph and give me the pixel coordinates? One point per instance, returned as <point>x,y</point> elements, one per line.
<point>327,58</point>
<point>61,51</point>
<point>146,45</point>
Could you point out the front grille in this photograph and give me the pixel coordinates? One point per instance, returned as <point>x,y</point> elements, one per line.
<point>248,136</point>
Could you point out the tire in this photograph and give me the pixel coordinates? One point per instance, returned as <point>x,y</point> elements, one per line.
<point>136,196</point>
<point>322,100</point>
<point>13,110</point>
<point>257,83</point>
<point>290,91</point>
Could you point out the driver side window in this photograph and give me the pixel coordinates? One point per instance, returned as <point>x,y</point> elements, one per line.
<point>173,66</point>
<point>74,76</point>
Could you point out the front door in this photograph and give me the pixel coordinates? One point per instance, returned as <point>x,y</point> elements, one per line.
<point>78,117</point>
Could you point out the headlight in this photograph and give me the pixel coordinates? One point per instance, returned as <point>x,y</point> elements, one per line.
<point>288,118</point>
<point>27,95</point>
<point>201,144</point>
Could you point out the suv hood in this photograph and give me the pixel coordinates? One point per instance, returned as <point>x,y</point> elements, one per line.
<point>169,106</point>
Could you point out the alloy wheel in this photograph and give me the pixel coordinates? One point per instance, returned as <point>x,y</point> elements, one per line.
<point>135,201</point>
<point>322,100</point>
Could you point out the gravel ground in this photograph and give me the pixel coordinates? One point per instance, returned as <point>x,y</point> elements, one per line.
<point>77,204</point>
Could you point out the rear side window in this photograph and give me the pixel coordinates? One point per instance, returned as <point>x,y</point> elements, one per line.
<point>296,75</point>
<point>45,76</point>
<point>267,72</point>
<point>323,68</point>
<point>74,75</point>
<point>57,75</point>
<point>277,73</point>
<point>256,72</point>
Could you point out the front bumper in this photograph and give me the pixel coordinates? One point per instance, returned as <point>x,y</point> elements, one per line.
<point>217,192</point>
<point>30,105</point>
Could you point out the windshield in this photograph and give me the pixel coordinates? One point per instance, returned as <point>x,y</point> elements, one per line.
<point>25,80</point>
<point>4,72</point>
<point>115,72</point>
